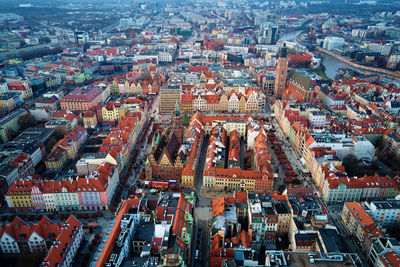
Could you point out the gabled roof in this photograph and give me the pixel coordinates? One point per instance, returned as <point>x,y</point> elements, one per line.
<point>60,247</point>
<point>299,78</point>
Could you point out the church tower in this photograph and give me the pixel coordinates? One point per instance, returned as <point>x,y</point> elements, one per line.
<point>177,123</point>
<point>177,117</point>
<point>281,72</point>
<point>148,170</point>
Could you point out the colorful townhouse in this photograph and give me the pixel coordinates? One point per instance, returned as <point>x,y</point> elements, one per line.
<point>120,141</point>
<point>93,192</point>
<point>339,188</point>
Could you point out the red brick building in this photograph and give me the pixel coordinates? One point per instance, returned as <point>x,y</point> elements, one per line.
<point>164,163</point>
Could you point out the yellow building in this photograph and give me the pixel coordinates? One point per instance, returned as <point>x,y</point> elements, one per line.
<point>22,88</point>
<point>89,119</point>
<point>234,183</point>
<point>7,102</point>
<point>110,113</point>
<point>11,122</point>
<point>187,103</point>
<point>242,105</point>
<point>19,195</point>
<point>223,103</point>
<point>61,127</point>
<point>55,160</point>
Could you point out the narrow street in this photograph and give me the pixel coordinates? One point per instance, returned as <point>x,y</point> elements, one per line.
<point>202,201</point>
<point>292,156</point>
<point>202,212</point>
<point>346,236</point>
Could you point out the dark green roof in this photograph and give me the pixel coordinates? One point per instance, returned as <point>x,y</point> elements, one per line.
<point>304,81</point>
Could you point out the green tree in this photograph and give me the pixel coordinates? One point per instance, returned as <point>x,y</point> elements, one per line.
<point>26,121</point>
<point>185,119</point>
<point>51,144</point>
<point>11,134</point>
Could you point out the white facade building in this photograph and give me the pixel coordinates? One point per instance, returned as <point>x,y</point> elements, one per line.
<point>3,88</point>
<point>332,42</point>
<point>385,213</point>
<point>164,57</point>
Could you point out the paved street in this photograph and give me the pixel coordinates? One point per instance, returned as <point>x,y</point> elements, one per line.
<point>202,201</point>
<point>292,156</point>
<point>202,218</point>
<point>335,212</point>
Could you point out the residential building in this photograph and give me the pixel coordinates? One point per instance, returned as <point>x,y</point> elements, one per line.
<point>339,189</point>
<point>72,142</point>
<point>19,237</point>
<point>386,213</point>
<point>48,102</point>
<point>62,127</point>
<point>118,245</point>
<point>193,140</point>
<point>7,101</point>
<point>357,221</point>
<point>56,159</point>
<point>89,119</point>
<point>218,175</point>
<point>381,246</point>
<point>66,245</point>
<point>10,122</point>
<point>19,87</point>
<point>81,99</point>
<point>93,192</point>
<point>24,164</point>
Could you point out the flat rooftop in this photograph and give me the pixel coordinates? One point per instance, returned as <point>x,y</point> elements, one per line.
<point>303,259</point>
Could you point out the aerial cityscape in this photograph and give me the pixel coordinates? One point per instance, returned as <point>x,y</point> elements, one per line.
<point>199,133</point>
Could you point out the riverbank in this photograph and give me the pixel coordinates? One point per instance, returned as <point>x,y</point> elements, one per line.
<point>358,66</point>
<point>322,74</point>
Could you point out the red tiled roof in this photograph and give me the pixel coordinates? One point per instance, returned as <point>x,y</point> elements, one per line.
<point>58,251</point>
<point>110,243</point>
<point>212,99</point>
<point>179,219</point>
<point>240,197</point>
<point>79,95</point>
<point>186,98</point>
<point>16,86</point>
<point>364,219</point>
<point>218,206</point>
<point>21,158</point>
<point>390,259</point>
<point>363,182</point>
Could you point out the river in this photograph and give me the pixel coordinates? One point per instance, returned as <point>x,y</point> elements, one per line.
<point>332,65</point>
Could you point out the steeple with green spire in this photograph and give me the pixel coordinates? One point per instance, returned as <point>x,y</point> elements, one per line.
<point>158,138</point>
<point>283,50</point>
<point>177,112</point>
